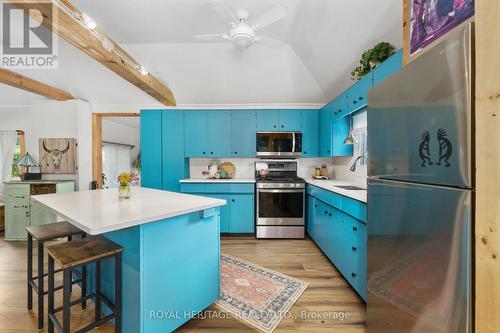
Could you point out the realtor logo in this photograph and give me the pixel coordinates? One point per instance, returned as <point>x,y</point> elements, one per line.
<point>26,42</point>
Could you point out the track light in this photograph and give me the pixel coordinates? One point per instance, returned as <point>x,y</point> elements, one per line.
<point>143,71</point>
<point>90,23</point>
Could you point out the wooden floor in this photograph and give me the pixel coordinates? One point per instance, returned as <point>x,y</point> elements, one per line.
<point>327,296</point>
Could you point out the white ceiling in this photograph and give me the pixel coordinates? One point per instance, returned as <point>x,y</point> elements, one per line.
<point>324,40</point>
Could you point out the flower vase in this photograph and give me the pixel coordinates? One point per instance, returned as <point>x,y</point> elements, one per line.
<point>124,191</point>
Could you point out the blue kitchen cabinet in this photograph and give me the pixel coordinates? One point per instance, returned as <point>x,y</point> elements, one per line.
<point>238,214</point>
<point>356,97</point>
<point>267,120</point>
<point>340,130</point>
<point>174,165</point>
<point>151,149</point>
<point>388,67</point>
<point>325,133</point>
<point>196,133</point>
<point>241,208</point>
<point>310,133</point>
<point>244,127</point>
<point>290,120</point>
<point>219,134</point>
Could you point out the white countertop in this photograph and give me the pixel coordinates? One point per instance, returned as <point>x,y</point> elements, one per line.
<point>97,212</point>
<point>331,185</point>
<point>206,180</point>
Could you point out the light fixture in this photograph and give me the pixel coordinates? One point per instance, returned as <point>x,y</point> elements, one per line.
<point>28,161</point>
<point>107,44</point>
<point>90,23</point>
<point>349,140</point>
<point>143,71</point>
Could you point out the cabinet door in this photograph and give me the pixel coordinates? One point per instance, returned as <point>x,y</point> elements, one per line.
<point>388,67</point>
<point>151,165</point>
<point>241,207</point>
<point>65,187</point>
<point>225,213</point>
<point>310,135</point>
<point>17,211</point>
<point>325,133</point>
<point>175,165</point>
<point>195,133</point>
<point>365,84</point>
<point>219,134</point>
<point>267,120</point>
<point>339,106</point>
<point>311,206</point>
<point>340,130</point>
<point>290,120</point>
<point>244,128</point>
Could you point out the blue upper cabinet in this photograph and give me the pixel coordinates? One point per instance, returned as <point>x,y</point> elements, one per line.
<point>340,130</point>
<point>151,149</point>
<point>267,120</point>
<point>310,135</point>
<point>175,166</point>
<point>325,132</point>
<point>196,133</point>
<point>388,67</point>
<point>290,120</point>
<point>357,95</point>
<point>244,127</point>
<point>219,134</point>
<point>279,120</point>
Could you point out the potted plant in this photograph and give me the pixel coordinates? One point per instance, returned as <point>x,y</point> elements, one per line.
<point>372,58</point>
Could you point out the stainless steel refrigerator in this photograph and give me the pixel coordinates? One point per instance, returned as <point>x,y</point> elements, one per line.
<point>420,193</point>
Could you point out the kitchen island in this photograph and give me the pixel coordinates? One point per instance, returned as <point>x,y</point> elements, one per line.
<point>171,251</point>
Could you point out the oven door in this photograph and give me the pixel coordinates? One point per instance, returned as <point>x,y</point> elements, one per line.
<point>285,144</point>
<point>280,206</point>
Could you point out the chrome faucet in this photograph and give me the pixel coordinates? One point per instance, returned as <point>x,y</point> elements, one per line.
<point>353,166</point>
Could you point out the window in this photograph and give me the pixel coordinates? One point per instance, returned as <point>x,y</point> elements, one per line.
<point>360,134</point>
<point>18,153</point>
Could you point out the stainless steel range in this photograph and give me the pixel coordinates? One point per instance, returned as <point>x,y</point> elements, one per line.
<point>280,200</point>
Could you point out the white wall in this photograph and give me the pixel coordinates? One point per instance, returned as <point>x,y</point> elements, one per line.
<point>68,119</point>
<point>14,117</point>
<point>120,133</point>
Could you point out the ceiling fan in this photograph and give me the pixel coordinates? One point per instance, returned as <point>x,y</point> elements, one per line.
<point>242,33</point>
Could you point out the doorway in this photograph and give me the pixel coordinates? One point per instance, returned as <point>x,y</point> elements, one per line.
<point>115,147</point>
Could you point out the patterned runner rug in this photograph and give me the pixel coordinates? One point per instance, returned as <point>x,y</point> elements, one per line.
<point>256,295</point>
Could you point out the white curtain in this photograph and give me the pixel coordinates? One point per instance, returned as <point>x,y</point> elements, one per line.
<point>115,160</point>
<point>8,141</point>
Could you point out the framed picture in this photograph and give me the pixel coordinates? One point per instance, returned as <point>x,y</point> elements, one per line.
<point>426,21</point>
<point>57,155</point>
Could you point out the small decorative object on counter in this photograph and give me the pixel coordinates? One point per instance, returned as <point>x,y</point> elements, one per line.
<point>228,168</point>
<point>317,172</point>
<point>213,168</point>
<point>324,171</point>
<point>126,179</point>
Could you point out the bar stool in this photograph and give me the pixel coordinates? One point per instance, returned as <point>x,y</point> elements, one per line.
<point>42,234</point>
<point>80,253</point>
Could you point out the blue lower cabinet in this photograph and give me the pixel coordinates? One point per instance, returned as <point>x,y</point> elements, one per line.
<point>237,216</point>
<point>241,207</point>
<point>340,236</point>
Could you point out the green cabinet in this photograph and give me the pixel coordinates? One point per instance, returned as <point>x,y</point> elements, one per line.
<point>237,216</point>
<point>21,211</point>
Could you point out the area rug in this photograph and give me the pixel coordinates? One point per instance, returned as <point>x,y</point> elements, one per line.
<point>255,295</point>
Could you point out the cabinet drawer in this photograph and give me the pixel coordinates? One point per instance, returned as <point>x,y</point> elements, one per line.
<point>230,188</point>
<point>193,188</point>
<point>354,208</point>
<point>332,199</point>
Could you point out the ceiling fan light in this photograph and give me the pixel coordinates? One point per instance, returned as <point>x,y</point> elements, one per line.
<point>242,41</point>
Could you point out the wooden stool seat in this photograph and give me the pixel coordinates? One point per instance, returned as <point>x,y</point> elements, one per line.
<point>71,256</point>
<point>53,230</point>
<point>82,251</point>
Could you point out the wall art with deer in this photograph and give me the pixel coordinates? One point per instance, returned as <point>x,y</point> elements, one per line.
<point>58,155</point>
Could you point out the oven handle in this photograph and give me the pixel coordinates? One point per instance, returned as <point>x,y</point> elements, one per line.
<point>281,191</point>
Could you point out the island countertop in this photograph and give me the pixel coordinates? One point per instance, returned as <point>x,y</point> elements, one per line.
<point>100,211</point>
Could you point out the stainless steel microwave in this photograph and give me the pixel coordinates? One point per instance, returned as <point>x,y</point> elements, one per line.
<point>279,144</point>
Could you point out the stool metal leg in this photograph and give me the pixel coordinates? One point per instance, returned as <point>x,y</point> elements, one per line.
<point>84,285</point>
<point>30,271</point>
<point>70,238</point>
<point>51,295</point>
<point>66,299</point>
<point>118,293</point>
<point>97,315</point>
<point>40,285</point>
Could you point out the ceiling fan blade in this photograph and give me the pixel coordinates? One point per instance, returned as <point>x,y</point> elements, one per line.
<point>212,37</point>
<point>223,10</point>
<point>270,42</point>
<point>274,15</point>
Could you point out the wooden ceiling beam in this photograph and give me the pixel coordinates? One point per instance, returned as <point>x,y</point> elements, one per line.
<point>90,42</point>
<point>25,83</point>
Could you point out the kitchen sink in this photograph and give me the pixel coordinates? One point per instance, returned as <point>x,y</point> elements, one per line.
<point>351,188</point>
